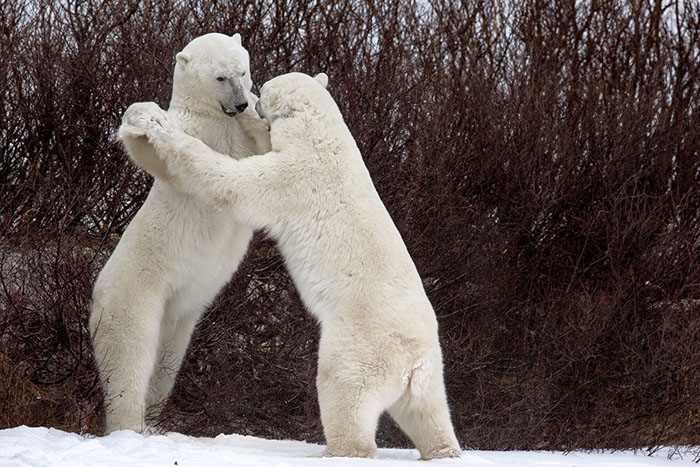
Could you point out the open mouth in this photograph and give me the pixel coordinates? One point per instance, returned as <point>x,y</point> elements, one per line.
<point>229,112</point>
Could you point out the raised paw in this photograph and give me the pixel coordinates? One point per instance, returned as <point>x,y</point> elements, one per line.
<point>143,119</point>
<point>256,127</point>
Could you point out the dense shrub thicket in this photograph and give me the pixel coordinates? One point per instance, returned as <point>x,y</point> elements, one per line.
<point>540,158</point>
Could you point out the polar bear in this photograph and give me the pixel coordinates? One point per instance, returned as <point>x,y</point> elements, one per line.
<point>177,252</point>
<point>312,193</point>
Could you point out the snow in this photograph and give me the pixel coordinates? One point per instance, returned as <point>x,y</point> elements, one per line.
<point>23,447</point>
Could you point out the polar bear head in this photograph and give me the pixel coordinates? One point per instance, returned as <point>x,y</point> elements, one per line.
<point>287,95</point>
<point>212,75</point>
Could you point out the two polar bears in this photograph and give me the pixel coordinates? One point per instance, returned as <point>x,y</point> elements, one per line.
<point>379,346</point>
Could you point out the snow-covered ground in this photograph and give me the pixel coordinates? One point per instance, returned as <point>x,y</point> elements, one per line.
<point>47,447</point>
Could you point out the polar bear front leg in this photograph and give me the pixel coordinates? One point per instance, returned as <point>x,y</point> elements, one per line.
<point>165,146</point>
<point>257,128</point>
<point>137,122</point>
<point>249,186</point>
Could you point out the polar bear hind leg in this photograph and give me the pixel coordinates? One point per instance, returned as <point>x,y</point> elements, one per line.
<point>424,416</point>
<point>175,334</point>
<point>125,335</point>
<point>350,411</point>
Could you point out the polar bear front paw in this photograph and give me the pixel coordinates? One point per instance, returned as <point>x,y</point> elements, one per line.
<point>256,127</point>
<point>143,119</point>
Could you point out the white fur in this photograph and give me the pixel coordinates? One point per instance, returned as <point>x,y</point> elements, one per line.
<point>379,346</point>
<point>178,252</point>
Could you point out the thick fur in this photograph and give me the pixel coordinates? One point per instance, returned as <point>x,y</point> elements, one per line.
<point>177,252</point>
<point>379,346</point>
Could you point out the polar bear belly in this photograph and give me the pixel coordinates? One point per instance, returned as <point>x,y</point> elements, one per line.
<point>205,246</point>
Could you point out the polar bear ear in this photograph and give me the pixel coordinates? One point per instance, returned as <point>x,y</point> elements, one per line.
<point>183,58</point>
<point>322,78</point>
<point>236,38</point>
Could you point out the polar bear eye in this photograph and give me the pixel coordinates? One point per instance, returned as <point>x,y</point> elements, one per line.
<point>221,78</point>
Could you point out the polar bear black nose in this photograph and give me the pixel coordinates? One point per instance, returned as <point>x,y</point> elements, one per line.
<point>242,107</point>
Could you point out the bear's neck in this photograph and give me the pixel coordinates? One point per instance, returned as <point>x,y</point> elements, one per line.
<point>215,129</point>
<point>181,102</point>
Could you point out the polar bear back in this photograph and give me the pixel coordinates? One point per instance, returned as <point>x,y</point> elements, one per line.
<point>339,242</point>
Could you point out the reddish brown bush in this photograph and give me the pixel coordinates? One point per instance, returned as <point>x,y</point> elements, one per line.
<point>541,160</point>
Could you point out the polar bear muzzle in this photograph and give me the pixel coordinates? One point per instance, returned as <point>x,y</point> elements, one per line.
<point>233,100</point>
<point>238,109</point>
